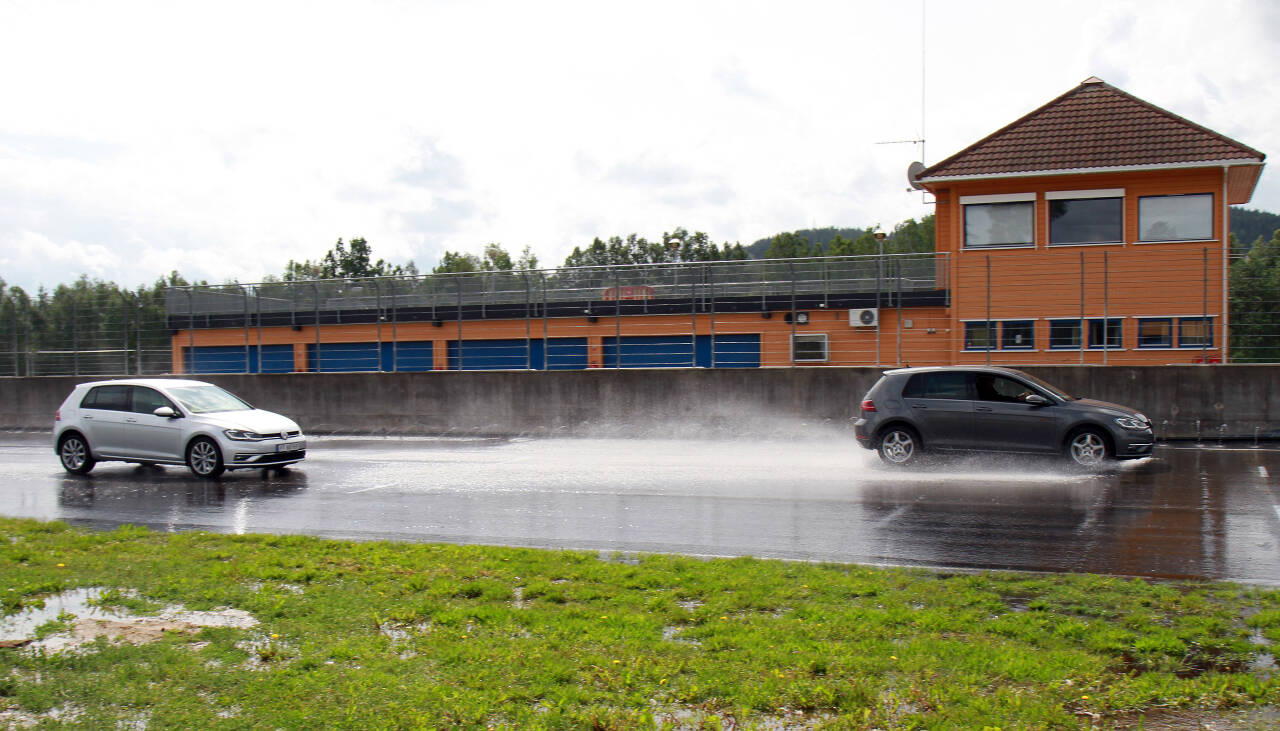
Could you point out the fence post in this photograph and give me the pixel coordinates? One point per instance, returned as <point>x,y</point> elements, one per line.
<point>792,346</point>
<point>124,328</point>
<point>137,336</point>
<point>899,263</point>
<point>377,296</point>
<point>1106,308</point>
<point>1204,347</point>
<point>257,316</point>
<point>710,277</point>
<point>13,311</point>
<point>617,317</point>
<point>1083,334</point>
<point>189,363</point>
<point>693,324</point>
<point>457,282</point>
<point>987,325</point>
<point>315,291</point>
<point>244,294</point>
<point>395,335</point>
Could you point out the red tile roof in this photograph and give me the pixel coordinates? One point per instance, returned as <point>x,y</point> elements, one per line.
<point>1095,125</point>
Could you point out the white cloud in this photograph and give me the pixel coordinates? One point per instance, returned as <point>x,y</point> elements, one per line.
<point>223,140</point>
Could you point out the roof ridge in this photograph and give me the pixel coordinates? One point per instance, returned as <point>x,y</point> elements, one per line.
<point>1016,154</point>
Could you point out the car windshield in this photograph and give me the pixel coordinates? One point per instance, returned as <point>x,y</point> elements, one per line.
<point>1051,389</point>
<point>207,399</point>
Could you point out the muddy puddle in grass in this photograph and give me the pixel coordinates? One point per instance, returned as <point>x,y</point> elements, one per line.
<point>83,615</point>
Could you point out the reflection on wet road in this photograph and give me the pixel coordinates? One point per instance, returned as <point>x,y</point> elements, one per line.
<point>1190,512</point>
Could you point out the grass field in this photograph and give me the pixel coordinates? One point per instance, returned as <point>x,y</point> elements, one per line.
<point>398,635</point>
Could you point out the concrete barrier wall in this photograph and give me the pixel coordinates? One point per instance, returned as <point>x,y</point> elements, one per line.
<point>1183,401</point>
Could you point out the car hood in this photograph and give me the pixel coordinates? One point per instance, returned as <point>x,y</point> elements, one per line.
<point>257,420</point>
<point>1107,407</point>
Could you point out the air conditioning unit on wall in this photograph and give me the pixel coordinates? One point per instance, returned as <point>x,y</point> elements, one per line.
<point>869,317</point>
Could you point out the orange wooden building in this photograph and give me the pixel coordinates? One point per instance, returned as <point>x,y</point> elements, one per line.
<point>1091,230</point>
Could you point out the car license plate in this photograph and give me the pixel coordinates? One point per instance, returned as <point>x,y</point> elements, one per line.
<point>291,446</point>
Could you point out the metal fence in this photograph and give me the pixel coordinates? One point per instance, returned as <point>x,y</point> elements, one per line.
<point>542,318</point>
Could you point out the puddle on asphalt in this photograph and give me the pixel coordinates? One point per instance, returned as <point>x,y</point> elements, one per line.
<point>87,621</point>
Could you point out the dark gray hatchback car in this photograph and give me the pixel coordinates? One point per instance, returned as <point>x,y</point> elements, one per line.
<point>911,410</point>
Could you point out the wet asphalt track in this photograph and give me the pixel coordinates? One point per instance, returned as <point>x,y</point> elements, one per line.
<point>1203,513</point>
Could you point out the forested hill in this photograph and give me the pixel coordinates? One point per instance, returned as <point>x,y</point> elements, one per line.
<point>1249,225</point>
<point>812,235</point>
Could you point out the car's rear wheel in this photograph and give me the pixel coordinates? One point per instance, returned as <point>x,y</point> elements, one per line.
<point>74,453</point>
<point>898,445</point>
<point>204,458</point>
<point>1087,448</point>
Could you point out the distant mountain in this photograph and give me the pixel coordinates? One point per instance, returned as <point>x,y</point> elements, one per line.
<point>812,235</point>
<point>1249,225</point>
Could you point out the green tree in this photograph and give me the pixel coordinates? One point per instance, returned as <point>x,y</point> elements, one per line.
<point>1255,304</point>
<point>791,245</point>
<point>346,261</point>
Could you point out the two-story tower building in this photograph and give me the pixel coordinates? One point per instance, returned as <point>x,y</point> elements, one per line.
<point>1092,230</point>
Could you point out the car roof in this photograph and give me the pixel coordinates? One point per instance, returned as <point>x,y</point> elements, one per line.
<point>153,382</point>
<point>956,369</point>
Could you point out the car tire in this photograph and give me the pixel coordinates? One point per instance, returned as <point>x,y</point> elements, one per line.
<point>74,453</point>
<point>204,458</point>
<point>898,445</point>
<point>1088,448</point>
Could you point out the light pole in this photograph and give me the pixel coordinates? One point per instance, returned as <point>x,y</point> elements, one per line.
<point>879,236</point>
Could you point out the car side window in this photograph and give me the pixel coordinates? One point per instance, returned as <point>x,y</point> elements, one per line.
<point>108,398</point>
<point>936,385</point>
<point>147,400</point>
<point>991,387</point>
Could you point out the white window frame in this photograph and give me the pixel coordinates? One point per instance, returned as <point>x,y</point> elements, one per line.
<point>1213,218</point>
<point>969,200</point>
<point>811,337</point>
<point>1059,195</point>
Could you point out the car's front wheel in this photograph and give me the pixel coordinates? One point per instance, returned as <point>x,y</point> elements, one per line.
<point>898,445</point>
<point>74,453</point>
<point>1087,448</point>
<point>204,458</point>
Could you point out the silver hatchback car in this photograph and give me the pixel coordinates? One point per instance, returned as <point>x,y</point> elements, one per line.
<point>164,421</point>
<point>911,410</point>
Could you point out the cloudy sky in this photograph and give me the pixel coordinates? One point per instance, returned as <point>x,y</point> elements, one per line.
<point>222,139</point>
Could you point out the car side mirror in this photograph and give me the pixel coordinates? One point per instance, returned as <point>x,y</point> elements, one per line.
<point>1036,399</point>
<point>166,412</point>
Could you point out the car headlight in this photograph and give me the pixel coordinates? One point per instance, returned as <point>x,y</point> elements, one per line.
<point>1136,423</point>
<point>241,435</point>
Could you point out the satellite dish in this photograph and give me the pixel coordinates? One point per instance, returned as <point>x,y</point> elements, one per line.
<point>913,174</point>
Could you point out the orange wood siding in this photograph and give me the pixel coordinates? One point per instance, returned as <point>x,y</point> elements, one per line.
<point>1043,282</point>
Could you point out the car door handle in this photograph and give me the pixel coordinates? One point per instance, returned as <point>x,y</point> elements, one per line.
<point>983,408</point>
<point>131,421</point>
<point>919,406</point>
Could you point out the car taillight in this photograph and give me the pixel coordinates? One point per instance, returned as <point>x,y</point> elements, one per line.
<point>57,415</point>
<point>868,405</point>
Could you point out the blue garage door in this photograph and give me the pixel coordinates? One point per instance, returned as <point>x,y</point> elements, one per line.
<point>231,359</point>
<point>491,355</point>
<point>731,351</point>
<point>347,357</point>
<point>564,354</point>
<point>649,351</point>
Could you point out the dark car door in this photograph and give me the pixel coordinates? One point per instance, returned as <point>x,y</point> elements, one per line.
<point>941,407</point>
<point>1004,421</point>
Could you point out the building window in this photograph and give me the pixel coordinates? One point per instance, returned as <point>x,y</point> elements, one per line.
<point>1064,334</point>
<point>1155,332</point>
<point>988,225</point>
<point>811,347</point>
<point>1195,332</point>
<point>1105,333</point>
<point>1086,217</point>
<point>1018,335</point>
<point>979,335</point>
<point>1175,217</point>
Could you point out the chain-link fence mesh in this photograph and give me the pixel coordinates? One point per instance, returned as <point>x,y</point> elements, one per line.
<point>1060,306</point>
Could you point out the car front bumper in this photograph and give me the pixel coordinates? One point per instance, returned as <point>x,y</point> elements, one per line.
<point>1134,444</point>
